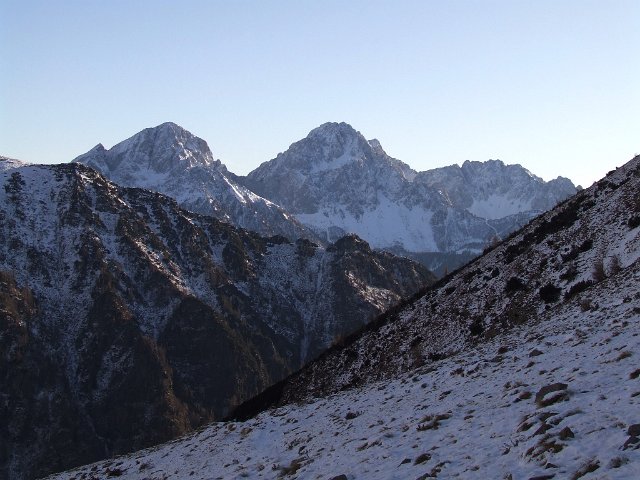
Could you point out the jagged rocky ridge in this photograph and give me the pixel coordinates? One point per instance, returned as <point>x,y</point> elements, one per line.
<point>554,260</point>
<point>170,160</point>
<point>127,320</point>
<point>544,386</point>
<point>336,182</point>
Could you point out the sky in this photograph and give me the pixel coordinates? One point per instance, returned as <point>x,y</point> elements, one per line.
<point>549,84</point>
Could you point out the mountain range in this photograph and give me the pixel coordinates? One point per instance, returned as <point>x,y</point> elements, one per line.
<point>521,364</point>
<point>145,290</point>
<point>335,182</point>
<point>126,320</point>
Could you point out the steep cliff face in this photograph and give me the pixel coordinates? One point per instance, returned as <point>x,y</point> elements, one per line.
<point>127,320</point>
<point>336,182</point>
<point>170,160</point>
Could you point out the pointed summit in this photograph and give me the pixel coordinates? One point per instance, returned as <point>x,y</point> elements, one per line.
<point>334,162</point>
<point>325,150</point>
<point>95,158</point>
<point>171,160</point>
<point>165,147</point>
<point>336,144</point>
<point>333,130</point>
<point>98,148</point>
<point>163,150</point>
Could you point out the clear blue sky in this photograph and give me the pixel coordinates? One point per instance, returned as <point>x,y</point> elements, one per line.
<point>551,84</point>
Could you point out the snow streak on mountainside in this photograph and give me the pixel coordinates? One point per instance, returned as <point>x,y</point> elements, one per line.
<point>126,321</point>
<point>170,160</point>
<point>335,181</point>
<point>555,398</point>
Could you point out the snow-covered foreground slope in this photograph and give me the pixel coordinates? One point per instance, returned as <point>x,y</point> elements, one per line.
<point>558,398</point>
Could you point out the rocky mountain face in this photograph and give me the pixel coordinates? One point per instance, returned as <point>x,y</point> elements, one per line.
<point>170,160</point>
<point>336,182</point>
<point>561,259</point>
<point>126,320</point>
<point>493,190</point>
<point>556,399</point>
<point>521,365</point>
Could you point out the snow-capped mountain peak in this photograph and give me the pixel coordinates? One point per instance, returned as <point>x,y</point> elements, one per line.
<point>331,147</point>
<point>163,150</point>
<point>171,160</point>
<point>493,190</point>
<point>333,163</point>
<point>335,181</point>
<point>333,130</point>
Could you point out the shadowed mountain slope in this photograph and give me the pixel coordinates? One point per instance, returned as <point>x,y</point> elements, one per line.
<point>127,320</point>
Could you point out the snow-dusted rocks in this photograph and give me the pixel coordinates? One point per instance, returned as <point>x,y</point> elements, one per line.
<point>170,160</point>
<point>167,149</point>
<point>472,416</point>
<point>126,320</point>
<point>337,182</point>
<point>493,190</point>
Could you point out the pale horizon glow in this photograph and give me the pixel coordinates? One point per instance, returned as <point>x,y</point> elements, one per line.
<point>550,85</point>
